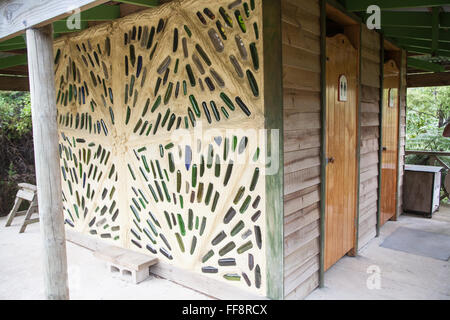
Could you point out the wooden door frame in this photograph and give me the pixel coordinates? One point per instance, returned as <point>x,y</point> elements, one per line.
<point>340,10</point>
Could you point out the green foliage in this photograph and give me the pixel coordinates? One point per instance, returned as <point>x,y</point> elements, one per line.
<point>427,114</point>
<point>15,114</point>
<point>428,111</point>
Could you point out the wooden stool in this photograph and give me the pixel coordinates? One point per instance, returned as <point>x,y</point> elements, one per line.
<point>27,192</point>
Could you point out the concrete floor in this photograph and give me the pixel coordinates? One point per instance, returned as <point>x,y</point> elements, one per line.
<point>21,275</point>
<point>402,275</point>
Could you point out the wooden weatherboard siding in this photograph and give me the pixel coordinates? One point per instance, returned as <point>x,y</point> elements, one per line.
<point>302,125</point>
<point>370,122</point>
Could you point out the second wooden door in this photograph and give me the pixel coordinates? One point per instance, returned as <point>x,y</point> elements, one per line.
<point>389,141</point>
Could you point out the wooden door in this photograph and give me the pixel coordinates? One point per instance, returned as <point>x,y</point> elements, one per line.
<point>341,172</point>
<point>390,141</point>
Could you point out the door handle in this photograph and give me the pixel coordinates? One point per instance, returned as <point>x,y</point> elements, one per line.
<point>330,160</point>
<point>384,148</point>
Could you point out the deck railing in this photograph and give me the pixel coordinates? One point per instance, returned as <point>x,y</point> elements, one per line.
<point>435,158</point>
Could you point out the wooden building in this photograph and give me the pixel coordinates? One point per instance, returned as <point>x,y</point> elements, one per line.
<point>248,144</point>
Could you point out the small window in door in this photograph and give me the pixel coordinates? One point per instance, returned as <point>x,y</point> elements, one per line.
<point>392,97</point>
<point>342,88</point>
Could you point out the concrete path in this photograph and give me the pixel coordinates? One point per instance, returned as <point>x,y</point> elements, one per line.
<point>401,275</point>
<point>21,276</point>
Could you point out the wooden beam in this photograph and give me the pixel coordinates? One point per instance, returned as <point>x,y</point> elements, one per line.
<point>9,83</point>
<point>18,15</point>
<point>439,53</point>
<point>62,27</point>
<point>273,115</point>
<point>428,80</point>
<point>48,174</point>
<point>424,65</point>
<point>145,3</point>
<point>17,70</point>
<point>361,5</point>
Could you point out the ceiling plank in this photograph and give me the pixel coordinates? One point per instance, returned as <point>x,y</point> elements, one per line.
<point>12,46</point>
<point>18,15</point>
<point>440,53</point>
<point>428,80</point>
<point>361,5</point>
<point>12,61</point>
<point>424,65</point>
<point>9,83</point>
<point>415,33</point>
<point>406,19</point>
<point>426,44</point>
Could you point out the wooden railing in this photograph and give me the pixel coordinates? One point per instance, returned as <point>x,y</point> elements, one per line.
<point>434,158</point>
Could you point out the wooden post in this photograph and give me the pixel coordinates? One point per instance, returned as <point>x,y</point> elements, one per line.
<point>45,135</point>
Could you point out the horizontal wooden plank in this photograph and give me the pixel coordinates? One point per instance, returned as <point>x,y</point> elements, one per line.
<point>369,93</point>
<point>301,101</point>
<point>305,288</point>
<point>294,120</point>
<point>301,139</point>
<point>301,180</point>
<point>372,172</point>
<point>301,199</point>
<point>373,107</point>
<point>300,59</point>
<point>368,159</point>
<point>311,7</point>
<point>292,14</point>
<point>368,145</point>
<point>299,238</point>
<point>300,275</point>
<point>300,219</point>
<point>370,119</point>
<point>300,38</point>
<point>294,78</point>
<point>370,132</point>
<point>301,159</point>
<point>310,249</point>
<point>14,83</point>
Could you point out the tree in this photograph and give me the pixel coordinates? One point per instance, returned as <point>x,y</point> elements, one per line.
<point>428,112</point>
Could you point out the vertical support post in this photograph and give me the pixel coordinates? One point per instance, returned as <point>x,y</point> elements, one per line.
<point>45,135</point>
<point>435,30</point>
<point>402,104</point>
<point>323,138</point>
<point>380,138</point>
<point>273,115</point>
